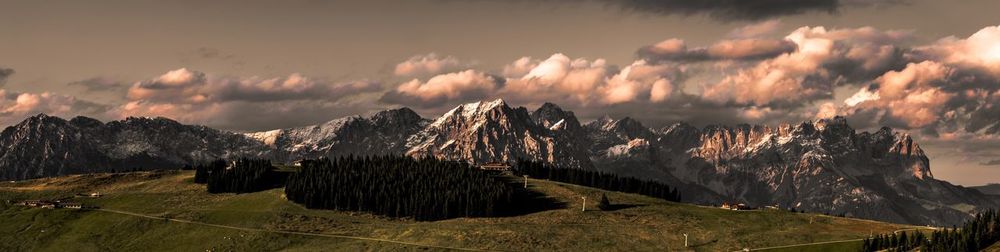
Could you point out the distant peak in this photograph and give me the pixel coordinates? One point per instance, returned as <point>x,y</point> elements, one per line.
<point>482,105</point>
<point>85,121</point>
<point>605,119</point>
<point>402,111</point>
<point>41,116</point>
<point>399,115</point>
<point>494,103</point>
<point>834,123</point>
<point>40,119</point>
<point>679,126</point>
<point>550,106</point>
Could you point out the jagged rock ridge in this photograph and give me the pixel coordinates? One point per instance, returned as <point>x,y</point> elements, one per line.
<point>43,146</point>
<point>818,166</point>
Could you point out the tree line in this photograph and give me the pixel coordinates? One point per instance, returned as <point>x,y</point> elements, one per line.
<point>423,189</point>
<point>978,233</point>
<point>596,179</point>
<point>243,175</point>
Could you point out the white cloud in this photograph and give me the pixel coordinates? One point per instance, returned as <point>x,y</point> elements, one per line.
<point>469,84</point>
<point>195,97</point>
<point>429,64</point>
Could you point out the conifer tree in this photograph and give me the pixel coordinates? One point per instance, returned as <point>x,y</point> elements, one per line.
<point>596,179</point>
<point>604,204</point>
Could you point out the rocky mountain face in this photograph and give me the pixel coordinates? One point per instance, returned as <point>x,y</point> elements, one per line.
<point>383,133</point>
<point>43,146</point>
<point>818,166</point>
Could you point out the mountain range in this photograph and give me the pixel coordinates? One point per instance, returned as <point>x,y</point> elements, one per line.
<point>818,166</point>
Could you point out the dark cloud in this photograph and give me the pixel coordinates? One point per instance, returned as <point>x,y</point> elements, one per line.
<point>213,53</point>
<point>15,106</point>
<point>238,103</point>
<point>100,84</point>
<point>737,49</point>
<point>733,10</point>
<point>260,116</point>
<point>4,74</point>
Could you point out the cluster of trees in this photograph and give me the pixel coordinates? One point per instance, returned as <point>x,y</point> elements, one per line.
<point>596,179</point>
<point>394,186</point>
<point>239,176</point>
<point>901,242</point>
<point>978,233</point>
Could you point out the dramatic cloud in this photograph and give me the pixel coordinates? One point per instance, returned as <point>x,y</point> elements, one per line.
<point>14,106</point>
<point>981,50</point>
<point>195,97</point>
<point>580,82</point>
<point>183,85</point>
<point>559,78</point>
<point>953,89</point>
<point>944,89</point>
<point>640,81</point>
<point>465,85</point>
<point>427,65</point>
<point>822,60</point>
<point>910,95</point>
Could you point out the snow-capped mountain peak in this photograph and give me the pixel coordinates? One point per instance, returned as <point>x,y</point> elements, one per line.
<point>821,165</point>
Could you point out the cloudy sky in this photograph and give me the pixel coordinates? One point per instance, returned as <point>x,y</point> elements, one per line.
<point>927,67</point>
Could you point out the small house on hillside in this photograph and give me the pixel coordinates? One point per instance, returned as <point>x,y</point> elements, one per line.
<point>735,206</point>
<point>50,204</point>
<point>33,203</point>
<point>70,205</point>
<point>495,166</point>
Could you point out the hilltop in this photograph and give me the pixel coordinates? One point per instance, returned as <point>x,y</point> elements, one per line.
<point>181,216</point>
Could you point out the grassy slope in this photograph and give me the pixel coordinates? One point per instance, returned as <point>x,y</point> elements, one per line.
<point>650,224</point>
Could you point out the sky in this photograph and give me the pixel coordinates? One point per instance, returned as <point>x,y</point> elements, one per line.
<point>925,67</point>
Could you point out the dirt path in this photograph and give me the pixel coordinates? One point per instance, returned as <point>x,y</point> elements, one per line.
<point>285,232</point>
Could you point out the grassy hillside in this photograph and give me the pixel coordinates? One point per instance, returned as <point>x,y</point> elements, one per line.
<point>181,216</point>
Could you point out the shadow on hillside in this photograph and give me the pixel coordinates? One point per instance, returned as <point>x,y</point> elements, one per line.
<point>616,207</point>
<point>529,201</point>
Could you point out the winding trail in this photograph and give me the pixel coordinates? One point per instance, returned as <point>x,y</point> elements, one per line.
<point>285,232</point>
